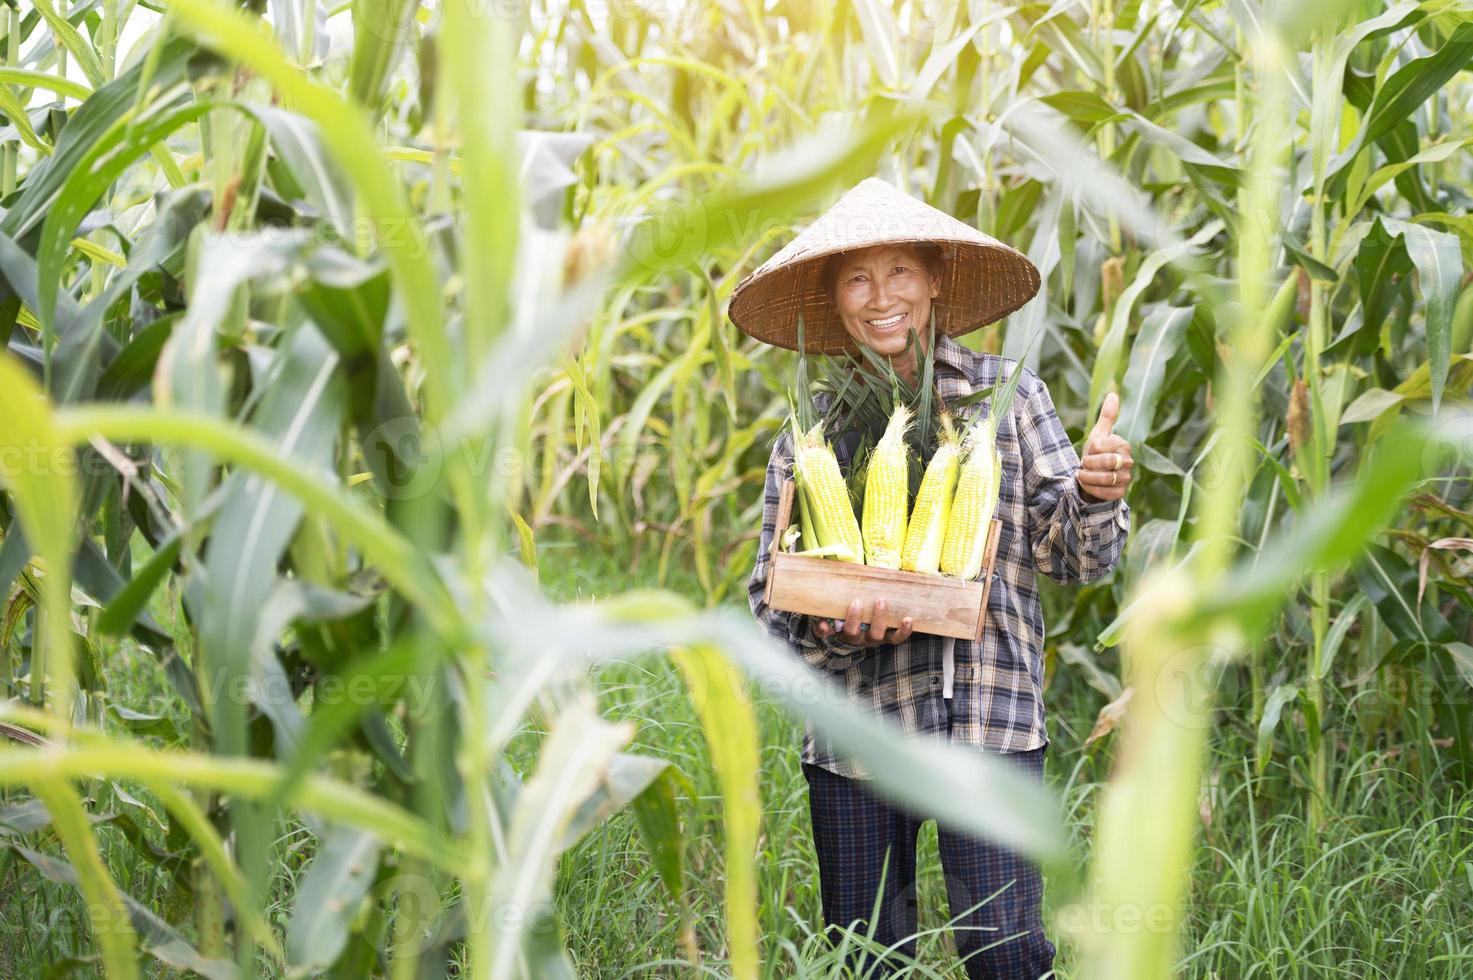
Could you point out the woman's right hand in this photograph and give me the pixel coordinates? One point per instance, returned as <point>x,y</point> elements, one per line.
<point>877,634</point>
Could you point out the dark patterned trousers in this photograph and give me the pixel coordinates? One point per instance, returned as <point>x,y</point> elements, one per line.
<point>994,895</point>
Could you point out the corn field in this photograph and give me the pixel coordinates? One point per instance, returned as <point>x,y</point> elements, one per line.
<point>381,477</point>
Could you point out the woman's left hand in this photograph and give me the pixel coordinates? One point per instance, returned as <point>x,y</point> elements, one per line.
<point>1104,472</point>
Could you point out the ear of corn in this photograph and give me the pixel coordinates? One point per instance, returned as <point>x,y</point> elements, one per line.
<point>886,494</point>
<point>805,519</point>
<point>974,503</point>
<point>827,505</point>
<point>926,531</point>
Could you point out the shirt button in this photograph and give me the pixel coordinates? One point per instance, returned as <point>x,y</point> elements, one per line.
<point>935,681</point>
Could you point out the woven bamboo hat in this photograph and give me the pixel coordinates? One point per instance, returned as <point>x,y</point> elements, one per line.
<point>984,280</point>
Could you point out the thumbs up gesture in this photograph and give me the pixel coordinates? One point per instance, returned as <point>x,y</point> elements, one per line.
<point>1104,472</point>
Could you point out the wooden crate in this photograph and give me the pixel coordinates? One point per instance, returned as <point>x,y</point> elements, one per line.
<point>823,587</point>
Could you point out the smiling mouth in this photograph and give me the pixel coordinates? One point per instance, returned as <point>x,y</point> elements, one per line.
<point>888,323</point>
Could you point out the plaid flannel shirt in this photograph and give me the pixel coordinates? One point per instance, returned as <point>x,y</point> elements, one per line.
<point>1047,526</point>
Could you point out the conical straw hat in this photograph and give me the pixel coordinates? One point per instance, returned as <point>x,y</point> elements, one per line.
<point>984,279</point>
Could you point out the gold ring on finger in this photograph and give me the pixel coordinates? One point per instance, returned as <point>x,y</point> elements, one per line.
<point>1112,478</point>
<point>1117,461</point>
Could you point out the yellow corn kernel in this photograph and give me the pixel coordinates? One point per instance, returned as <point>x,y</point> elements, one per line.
<point>926,531</point>
<point>886,494</point>
<point>832,514</point>
<point>974,503</point>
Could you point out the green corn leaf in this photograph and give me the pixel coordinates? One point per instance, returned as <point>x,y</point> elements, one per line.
<point>574,759</point>
<point>1107,362</point>
<point>380,36</point>
<point>725,710</point>
<point>1439,261</point>
<point>93,121</point>
<point>327,899</point>
<point>1327,535</point>
<point>68,37</point>
<point>658,819</point>
<point>191,820</point>
<point>1158,342</point>
<point>14,111</point>
<point>36,469</point>
<point>26,78</point>
<point>1281,697</point>
<point>330,799</point>
<point>349,135</point>
<point>399,560</point>
<point>103,164</point>
<point>112,930</point>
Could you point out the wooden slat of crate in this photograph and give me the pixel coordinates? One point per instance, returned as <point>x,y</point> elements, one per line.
<point>823,587</point>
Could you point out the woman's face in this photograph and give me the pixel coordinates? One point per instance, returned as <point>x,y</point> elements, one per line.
<point>881,292</point>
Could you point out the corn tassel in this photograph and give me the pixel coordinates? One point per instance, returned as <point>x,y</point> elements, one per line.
<point>926,531</point>
<point>827,506</point>
<point>974,503</point>
<point>886,494</point>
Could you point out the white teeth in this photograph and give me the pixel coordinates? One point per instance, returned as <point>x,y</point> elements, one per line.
<point>891,321</point>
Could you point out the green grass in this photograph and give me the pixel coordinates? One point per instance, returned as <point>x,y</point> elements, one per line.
<point>1381,892</point>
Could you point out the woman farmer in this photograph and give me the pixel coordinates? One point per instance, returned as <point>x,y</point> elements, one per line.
<point>876,264</point>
